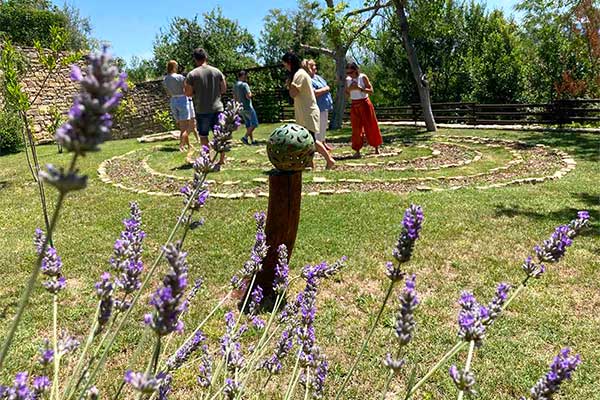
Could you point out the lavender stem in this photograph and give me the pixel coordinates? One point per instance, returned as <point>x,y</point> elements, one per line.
<point>461,393</point>
<point>366,342</point>
<point>54,392</point>
<point>24,300</point>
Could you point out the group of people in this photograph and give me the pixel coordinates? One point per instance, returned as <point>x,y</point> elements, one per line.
<point>195,102</point>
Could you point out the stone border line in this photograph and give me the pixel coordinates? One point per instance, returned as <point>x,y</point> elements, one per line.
<point>569,164</point>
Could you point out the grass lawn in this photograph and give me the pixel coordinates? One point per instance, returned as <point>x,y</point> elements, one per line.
<point>472,239</point>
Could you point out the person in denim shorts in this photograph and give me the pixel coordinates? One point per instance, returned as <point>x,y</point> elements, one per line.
<point>181,106</point>
<point>205,84</point>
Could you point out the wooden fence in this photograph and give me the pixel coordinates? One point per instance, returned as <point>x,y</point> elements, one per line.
<point>277,105</point>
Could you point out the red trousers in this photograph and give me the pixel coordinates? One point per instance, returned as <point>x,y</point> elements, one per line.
<point>363,119</point>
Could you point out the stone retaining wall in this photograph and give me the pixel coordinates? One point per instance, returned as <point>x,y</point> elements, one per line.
<point>57,96</point>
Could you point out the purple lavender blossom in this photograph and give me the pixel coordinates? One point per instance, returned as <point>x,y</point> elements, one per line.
<point>470,319</point>
<point>182,355</point>
<point>393,364</point>
<point>532,269</point>
<point>282,270</point>
<point>126,260</point>
<point>203,163</point>
<point>67,344</point>
<point>231,349</point>
<point>93,393</point>
<point>232,389</point>
<point>405,322</point>
<point>142,382</point>
<point>89,120</point>
<point>196,200</point>
<point>46,354</point>
<point>284,346</point>
<point>20,389</point>
<point>205,368</point>
<point>41,384</point>
<point>63,181</point>
<point>463,380</point>
<point>555,247</point>
<point>257,254</point>
<point>318,374</point>
<point>168,300</point>
<point>104,291</point>
<point>229,122</point>
<point>495,306</point>
<point>411,226</point>
<point>561,369</point>
<point>51,265</point>
<point>165,387</point>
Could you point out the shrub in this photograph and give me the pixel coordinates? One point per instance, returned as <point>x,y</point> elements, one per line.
<point>10,132</point>
<point>164,119</point>
<point>24,26</point>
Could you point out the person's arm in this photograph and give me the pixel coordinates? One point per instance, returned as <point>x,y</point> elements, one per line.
<point>188,89</point>
<point>223,85</point>
<point>350,86</point>
<point>295,85</point>
<point>248,92</point>
<point>322,91</point>
<point>368,89</point>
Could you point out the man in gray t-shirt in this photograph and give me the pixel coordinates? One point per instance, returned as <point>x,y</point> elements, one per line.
<point>205,84</point>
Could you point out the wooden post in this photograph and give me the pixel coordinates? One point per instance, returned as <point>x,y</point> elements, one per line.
<point>283,216</point>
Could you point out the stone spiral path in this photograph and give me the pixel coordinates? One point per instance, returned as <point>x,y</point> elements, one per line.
<point>443,163</point>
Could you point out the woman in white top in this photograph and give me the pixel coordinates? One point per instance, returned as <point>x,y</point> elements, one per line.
<point>362,113</point>
<point>181,106</point>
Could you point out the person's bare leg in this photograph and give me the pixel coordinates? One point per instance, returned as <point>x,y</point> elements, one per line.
<point>249,133</point>
<point>182,125</point>
<point>192,128</point>
<point>322,150</point>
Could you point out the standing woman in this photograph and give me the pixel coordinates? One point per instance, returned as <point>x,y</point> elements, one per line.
<point>362,113</point>
<point>306,111</point>
<point>181,107</point>
<point>324,100</point>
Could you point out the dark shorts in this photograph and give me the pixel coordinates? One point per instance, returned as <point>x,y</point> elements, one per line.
<point>205,122</point>
<point>250,118</point>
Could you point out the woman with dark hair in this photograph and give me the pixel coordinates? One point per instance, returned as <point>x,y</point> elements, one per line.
<point>362,113</point>
<point>306,111</point>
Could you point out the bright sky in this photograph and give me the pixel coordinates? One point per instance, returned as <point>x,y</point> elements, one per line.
<point>131,25</point>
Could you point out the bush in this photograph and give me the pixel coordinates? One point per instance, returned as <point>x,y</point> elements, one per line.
<point>23,26</point>
<point>10,133</point>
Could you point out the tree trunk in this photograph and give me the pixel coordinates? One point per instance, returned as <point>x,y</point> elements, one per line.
<point>422,84</point>
<point>340,92</point>
<point>283,216</point>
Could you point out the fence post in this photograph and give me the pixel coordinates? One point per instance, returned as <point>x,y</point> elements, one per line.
<point>474,108</point>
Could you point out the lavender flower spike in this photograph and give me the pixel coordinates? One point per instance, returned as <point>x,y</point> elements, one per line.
<point>405,322</point>
<point>51,265</point>
<point>282,270</point>
<point>89,120</point>
<point>471,318</point>
<point>185,351</point>
<point>495,306</point>
<point>561,369</point>
<point>104,291</point>
<point>411,226</point>
<point>257,254</point>
<point>464,380</point>
<point>168,300</point>
<point>143,383</point>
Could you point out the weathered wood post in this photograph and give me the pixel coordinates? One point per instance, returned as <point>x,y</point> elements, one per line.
<point>290,149</point>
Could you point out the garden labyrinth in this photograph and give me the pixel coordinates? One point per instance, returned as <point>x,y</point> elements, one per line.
<point>439,163</point>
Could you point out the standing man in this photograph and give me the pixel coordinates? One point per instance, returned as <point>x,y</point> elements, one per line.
<point>205,84</point>
<point>242,93</point>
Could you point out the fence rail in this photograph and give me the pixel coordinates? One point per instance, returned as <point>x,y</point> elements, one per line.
<point>559,112</point>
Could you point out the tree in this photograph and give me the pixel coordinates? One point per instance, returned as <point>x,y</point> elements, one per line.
<point>420,78</point>
<point>285,30</point>
<point>227,43</point>
<point>342,27</point>
<point>140,70</point>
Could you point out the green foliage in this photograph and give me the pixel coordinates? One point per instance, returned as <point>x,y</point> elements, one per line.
<point>10,132</point>
<point>228,44</point>
<point>11,64</point>
<point>25,26</point>
<point>140,70</point>
<point>164,119</point>
<point>285,30</point>
<point>25,22</point>
<point>125,110</point>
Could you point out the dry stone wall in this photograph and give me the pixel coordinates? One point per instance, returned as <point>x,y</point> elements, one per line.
<point>57,96</point>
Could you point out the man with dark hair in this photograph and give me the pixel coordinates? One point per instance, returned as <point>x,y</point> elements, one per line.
<point>205,84</point>
<point>242,93</point>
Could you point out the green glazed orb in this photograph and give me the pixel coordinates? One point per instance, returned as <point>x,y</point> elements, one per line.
<point>291,148</point>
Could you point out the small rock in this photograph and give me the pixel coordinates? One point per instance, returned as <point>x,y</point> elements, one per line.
<point>327,191</point>
<point>235,196</point>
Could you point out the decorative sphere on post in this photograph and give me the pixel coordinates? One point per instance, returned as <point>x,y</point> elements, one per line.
<point>291,148</point>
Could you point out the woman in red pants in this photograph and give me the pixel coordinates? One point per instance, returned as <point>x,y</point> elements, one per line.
<point>362,113</point>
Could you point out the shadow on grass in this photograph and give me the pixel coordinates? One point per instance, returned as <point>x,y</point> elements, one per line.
<point>389,134</point>
<point>585,145</point>
<point>166,149</point>
<point>558,217</point>
<point>4,185</point>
